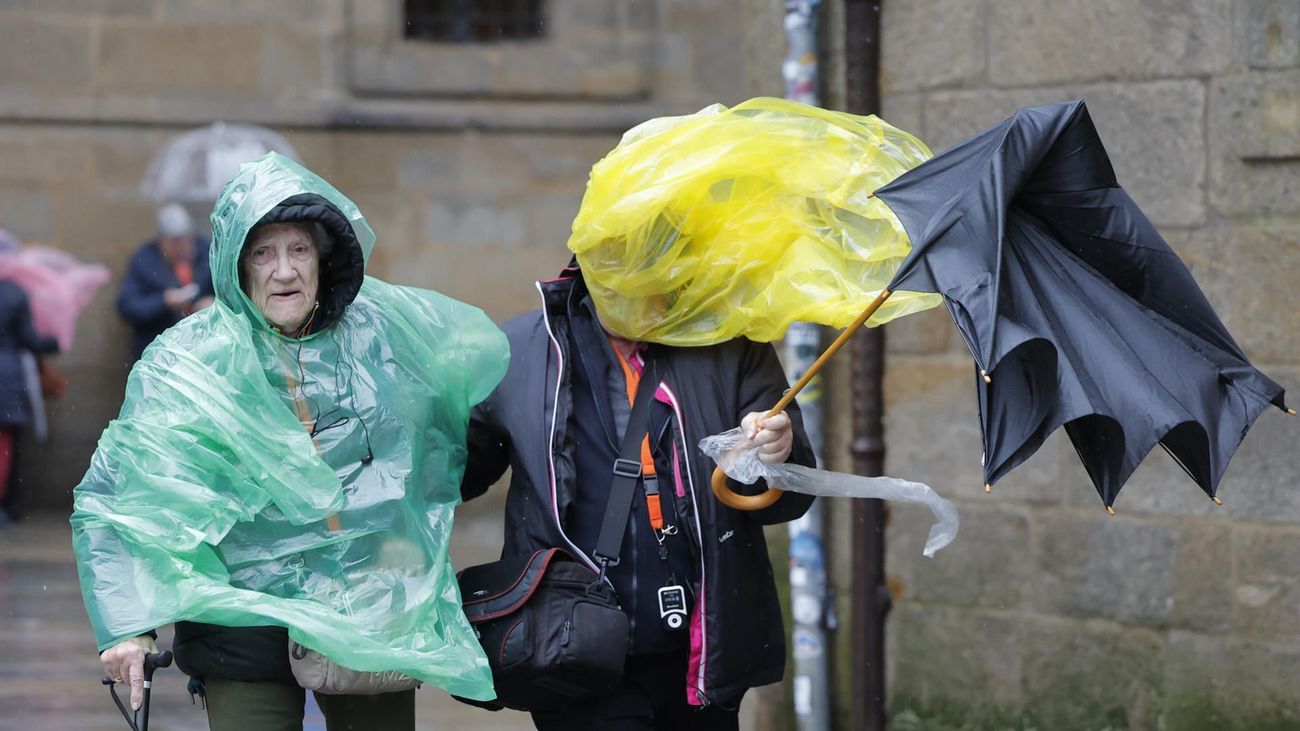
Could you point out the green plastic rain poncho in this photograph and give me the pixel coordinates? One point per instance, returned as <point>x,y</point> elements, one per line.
<point>731,222</point>
<point>210,500</point>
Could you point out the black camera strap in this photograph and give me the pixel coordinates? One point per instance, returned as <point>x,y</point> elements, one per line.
<point>627,473</point>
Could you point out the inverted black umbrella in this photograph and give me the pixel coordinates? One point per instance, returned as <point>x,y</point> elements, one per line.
<point>1077,312</point>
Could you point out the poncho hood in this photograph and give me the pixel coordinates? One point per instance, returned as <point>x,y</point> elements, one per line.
<point>275,189</point>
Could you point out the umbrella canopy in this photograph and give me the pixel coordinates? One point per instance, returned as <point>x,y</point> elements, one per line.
<point>58,285</point>
<point>194,166</point>
<point>1076,311</point>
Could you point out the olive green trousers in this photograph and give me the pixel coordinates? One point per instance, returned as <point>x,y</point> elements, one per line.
<point>235,706</point>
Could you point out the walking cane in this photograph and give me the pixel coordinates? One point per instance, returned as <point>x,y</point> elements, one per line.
<point>721,489</point>
<point>139,721</point>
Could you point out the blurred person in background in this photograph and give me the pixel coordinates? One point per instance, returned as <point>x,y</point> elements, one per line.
<point>17,334</point>
<point>167,279</point>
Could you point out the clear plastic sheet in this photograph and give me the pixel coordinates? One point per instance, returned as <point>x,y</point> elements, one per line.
<point>208,500</point>
<point>730,222</point>
<point>734,454</point>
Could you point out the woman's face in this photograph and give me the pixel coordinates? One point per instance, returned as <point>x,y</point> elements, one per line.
<point>281,270</point>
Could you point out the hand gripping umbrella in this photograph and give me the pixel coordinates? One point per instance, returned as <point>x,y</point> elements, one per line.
<point>1076,311</point>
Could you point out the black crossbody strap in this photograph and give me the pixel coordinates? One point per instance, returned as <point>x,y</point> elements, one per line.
<point>627,473</point>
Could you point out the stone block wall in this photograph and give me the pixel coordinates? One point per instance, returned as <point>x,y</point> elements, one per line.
<point>1047,613</point>
<point>468,160</point>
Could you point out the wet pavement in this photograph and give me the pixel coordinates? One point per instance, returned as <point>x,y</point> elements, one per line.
<point>49,673</point>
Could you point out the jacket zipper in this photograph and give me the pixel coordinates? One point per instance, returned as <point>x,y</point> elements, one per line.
<point>699,538</point>
<point>550,446</point>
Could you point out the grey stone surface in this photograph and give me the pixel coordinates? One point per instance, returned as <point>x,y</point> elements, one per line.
<point>1260,116</point>
<point>378,68</point>
<point>711,36</point>
<point>468,222</point>
<point>762,48</point>
<point>928,44</point>
<point>110,8</point>
<point>933,432</point>
<point>1218,683</point>
<point>1254,137</point>
<point>940,656</point>
<point>989,565</point>
<point>1267,598</point>
<point>27,211</point>
<point>1261,481</point>
<point>294,61</point>
<point>1263,316</point>
<point>903,110</point>
<point>43,55</point>
<point>925,333</point>
<point>293,11</point>
<point>588,50</point>
<point>1091,675</point>
<point>1119,568</point>
<point>1154,133</point>
<point>1203,593</point>
<point>1269,33</point>
<point>1034,42</point>
<point>208,58</point>
<point>931,426</point>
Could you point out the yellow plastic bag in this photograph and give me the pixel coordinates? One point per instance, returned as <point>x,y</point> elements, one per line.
<point>698,229</point>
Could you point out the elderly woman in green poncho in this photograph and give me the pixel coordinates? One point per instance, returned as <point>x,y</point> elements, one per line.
<point>284,470</point>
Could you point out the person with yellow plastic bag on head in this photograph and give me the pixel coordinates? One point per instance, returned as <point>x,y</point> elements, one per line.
<point>700,238</point>
<point>284,471</point>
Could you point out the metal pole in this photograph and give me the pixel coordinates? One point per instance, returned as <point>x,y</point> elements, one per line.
<point>808,595</point>
<point>871,600</point>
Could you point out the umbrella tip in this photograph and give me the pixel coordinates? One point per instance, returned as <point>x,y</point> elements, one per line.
<point>1110,510</point>
<point>988,488</point>
<point>1217,501</point>
<point>1291,411</point>
<point>985,375</point>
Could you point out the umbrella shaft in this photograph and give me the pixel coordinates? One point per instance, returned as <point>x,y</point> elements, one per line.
<point>844,337</point>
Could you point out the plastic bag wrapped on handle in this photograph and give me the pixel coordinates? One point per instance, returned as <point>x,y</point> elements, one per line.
<point>739,459</point>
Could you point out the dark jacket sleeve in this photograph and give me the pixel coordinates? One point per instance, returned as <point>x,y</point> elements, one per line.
<point>762,385</point>
<point>203,269</point>
<point>489,454</point>
<point>27,335</point>
<point>136,300</point>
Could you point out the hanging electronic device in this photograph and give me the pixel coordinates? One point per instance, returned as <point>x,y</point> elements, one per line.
<point>672,606</point>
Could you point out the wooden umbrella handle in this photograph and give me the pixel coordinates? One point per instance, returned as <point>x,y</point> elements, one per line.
<point>721,490</point>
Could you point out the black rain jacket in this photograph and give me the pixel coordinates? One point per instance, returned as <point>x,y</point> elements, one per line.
<point>737,636</point>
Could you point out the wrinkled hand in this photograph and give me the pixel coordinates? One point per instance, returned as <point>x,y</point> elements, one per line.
<point>773,435</point>
<point>124,662</point>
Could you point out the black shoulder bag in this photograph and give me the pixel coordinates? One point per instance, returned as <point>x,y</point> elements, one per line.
<point>552,628</point>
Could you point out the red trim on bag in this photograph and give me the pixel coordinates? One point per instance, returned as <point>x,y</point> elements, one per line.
<point>528,570</point>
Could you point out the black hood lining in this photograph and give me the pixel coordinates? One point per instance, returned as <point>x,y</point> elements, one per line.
<point>342,270</point>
